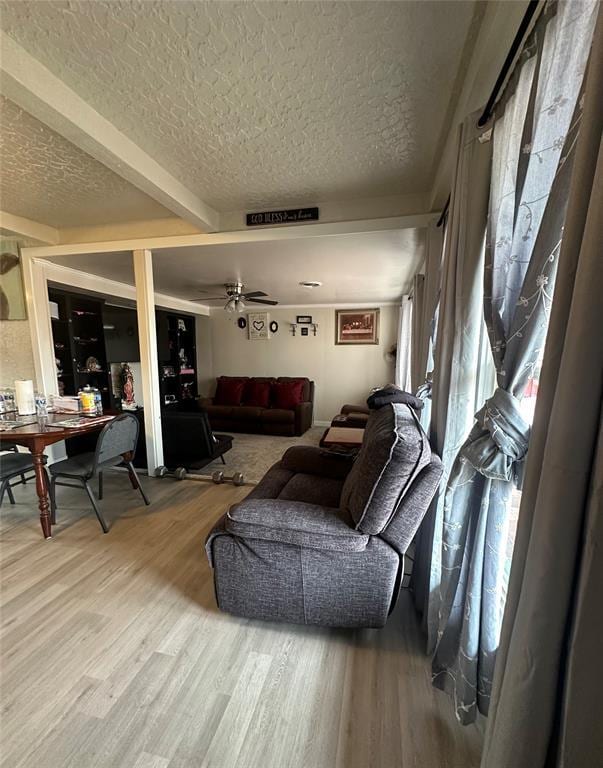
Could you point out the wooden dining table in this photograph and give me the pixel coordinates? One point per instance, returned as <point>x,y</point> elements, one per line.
<point>36,437</point>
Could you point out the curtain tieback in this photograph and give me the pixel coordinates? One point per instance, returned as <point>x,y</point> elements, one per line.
<point>424,391</point>
<point>498,443</point>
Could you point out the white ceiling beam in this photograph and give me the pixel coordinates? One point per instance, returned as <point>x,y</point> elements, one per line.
<point>75,278</point>
<point>35,89</point>
<point>251,235</point>
<point>28,228</point>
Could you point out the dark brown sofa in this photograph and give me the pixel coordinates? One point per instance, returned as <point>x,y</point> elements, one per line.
<point>268,419</point>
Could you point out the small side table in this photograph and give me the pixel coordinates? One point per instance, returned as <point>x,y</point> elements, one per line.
<point>348,437</point>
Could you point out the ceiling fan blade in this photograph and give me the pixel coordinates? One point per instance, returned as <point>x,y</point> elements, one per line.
<point>210,298</point>
<point>251,294</point>
<point>262,301</point>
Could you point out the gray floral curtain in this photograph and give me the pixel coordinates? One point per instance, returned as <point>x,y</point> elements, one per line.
<point>431,294</point>
<point>546,697</point>
<point>534,136</point>
<point>457,311</point>
<point>417,342</point>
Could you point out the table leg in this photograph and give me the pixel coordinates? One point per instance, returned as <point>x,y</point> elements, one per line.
<point>42,491</point>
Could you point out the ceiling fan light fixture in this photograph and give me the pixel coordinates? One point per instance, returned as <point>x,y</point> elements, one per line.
<point>231,305</point>
<point>240,305</point>
<point>310,283</point>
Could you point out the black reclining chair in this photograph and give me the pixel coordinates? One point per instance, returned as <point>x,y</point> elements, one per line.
<point>188,440</point>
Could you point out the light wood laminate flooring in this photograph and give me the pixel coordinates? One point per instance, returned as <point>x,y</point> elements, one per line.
<point>115,655</point>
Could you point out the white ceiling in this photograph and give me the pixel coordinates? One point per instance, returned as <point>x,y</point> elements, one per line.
<point>249,105</point>
<point>46,178</point>
<point>368,267</point>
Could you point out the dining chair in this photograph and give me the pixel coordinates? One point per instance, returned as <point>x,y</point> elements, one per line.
<point>13,448</point>
<point>13,465</point>
<point>115,445</point>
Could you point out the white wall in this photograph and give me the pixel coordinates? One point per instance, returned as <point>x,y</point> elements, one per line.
<point>342,374</point>
<point>16,355</point>
<point>498,28</point>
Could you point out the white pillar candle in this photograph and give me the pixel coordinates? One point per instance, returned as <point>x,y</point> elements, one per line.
<point>26,404</point>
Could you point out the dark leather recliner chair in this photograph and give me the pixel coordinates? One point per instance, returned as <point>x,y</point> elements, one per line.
<point>322,538</point>
<point>188,440</point>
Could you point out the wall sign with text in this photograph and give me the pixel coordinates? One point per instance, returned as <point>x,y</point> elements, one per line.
<point>291,216</point>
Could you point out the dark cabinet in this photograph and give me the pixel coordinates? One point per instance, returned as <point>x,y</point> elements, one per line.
<point>121,334</point>
<point>79,343</point>
<point>89,335</point>
<point>177,355</point>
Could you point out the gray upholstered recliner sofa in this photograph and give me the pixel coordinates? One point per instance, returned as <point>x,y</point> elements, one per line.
<point>321,539</point>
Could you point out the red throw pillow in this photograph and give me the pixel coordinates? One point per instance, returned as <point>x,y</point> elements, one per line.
<point>229,391</point>
<point>257,393</point>
<point>287,394</point>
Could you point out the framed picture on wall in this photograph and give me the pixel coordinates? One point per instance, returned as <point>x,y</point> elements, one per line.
<point>259,325</point>
<point>12,295</point>
<point>356,326</point>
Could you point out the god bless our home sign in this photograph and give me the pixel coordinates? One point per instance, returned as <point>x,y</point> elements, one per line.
<point>258,324</point>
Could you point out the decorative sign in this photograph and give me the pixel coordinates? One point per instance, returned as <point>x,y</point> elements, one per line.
<point>258,325</point>
<point>292,216</point>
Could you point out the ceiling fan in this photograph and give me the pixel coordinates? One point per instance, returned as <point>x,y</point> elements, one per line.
<point>236,297</point>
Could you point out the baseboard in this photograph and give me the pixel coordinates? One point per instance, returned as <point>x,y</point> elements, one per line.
<point>321,423</point>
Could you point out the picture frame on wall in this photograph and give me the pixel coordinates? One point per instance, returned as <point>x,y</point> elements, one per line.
<point>304,319</point>
<point>357,326</point>
<point>258,324</point>
<point>12,293</point>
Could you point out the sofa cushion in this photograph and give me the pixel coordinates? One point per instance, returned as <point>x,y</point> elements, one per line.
<point>272,483</point>
<point>293,522</point>
<point>247,413</point>
<point>277,415</point>
<point>306,385</point>
<point>220,411</point>
<point>394,450</point>
<point>257,392</point>
<point>316,461</point>
<point>287,394</point>
<point>229,390</point>
<point>311,489</point>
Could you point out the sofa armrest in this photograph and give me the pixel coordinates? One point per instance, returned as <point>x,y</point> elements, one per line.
<point>303,417</point>
<point>296,523</point>
<point>317,461</point>
<point>345,409</point>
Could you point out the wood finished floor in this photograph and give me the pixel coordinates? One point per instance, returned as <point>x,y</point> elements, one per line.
<point>115,655</point>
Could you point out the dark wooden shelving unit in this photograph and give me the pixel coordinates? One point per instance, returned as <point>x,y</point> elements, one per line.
<point>177,354</point>
<point>78,335</point>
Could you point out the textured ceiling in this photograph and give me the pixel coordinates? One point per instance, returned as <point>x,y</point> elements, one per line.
<point>263,103</point>
<point>369,267</point>
<point>46,178</point>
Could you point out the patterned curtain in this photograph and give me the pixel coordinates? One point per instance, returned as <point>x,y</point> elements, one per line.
<point>431,297</point>
<point>418,361</point>
<point>404,342</point>
<point>456,335</point>
<point>534,136</point>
